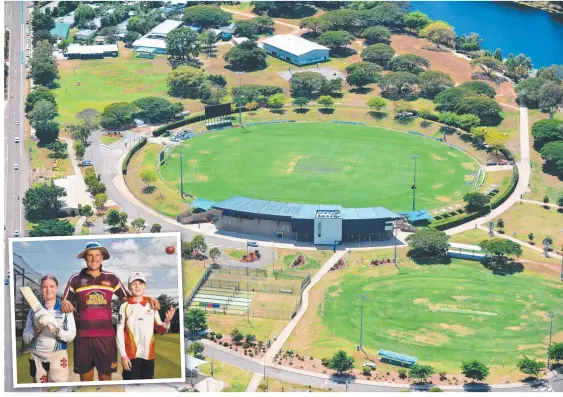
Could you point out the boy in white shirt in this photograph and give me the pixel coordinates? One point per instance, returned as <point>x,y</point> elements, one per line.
<point>135,331</point>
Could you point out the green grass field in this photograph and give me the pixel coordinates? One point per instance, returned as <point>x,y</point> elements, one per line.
<point>325,163</point>
<point>167,361</point>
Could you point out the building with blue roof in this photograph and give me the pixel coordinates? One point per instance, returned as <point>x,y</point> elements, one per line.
<point>318,223</point>
<point>60,31</point>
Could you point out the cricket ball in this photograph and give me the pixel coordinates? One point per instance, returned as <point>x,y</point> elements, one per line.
<point>170,249</point>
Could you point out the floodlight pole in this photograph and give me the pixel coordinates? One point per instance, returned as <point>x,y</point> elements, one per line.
<point>550,315</point>
<point>414,157</point>
<point>239,98</point>
<point>181,172</point>
<point>362,299</point>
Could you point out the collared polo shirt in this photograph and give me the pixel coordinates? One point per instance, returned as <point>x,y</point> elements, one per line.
<point>92,298</point>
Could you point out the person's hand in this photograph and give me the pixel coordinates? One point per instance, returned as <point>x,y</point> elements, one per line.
<point>169,315</point>
<point>155,304</point>
<point>126,363</point>
<point>66,306</point>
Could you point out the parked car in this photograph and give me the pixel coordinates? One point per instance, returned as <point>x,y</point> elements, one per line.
<point>17,122</point>
<point>17,140</point>
<point>252,243</point>
<point>370,365</point>
<point>27,76</point>
<point>16,167</point>
<point>86,163</point>
<point>16,233</point>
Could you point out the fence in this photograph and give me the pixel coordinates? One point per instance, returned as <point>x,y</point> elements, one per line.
<point>306,281</point>
<point>249,286</point>
<point>201,281</point>
<point>243,270</point>
<point>257,313</point>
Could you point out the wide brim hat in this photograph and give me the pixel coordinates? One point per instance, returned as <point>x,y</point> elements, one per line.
<point>94,246</point>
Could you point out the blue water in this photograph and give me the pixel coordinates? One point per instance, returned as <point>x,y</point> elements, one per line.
<point>505,25</point>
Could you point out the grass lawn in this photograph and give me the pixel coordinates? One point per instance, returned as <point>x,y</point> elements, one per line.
<point>192,270</point>
<point>108,140</point>
<point>234,253</point>
<point>500,178</point>
<point>263,328</point>
<point>525,218</point>
<point>40,159</point>
<point>352,165</point>
<point>163,198</point>
<point>285,257</point>
<point>236,379</point>
<point>276,385</point>
<point>438,313</point>
<point>167,361</point>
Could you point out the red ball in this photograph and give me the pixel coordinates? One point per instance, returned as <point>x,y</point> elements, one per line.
<point>170,249</point>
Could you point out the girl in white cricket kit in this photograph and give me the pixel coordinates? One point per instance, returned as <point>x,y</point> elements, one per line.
<point>49,359</point>
<point>135,331</point>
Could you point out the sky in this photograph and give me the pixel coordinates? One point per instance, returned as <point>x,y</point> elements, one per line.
<point>127,254</point>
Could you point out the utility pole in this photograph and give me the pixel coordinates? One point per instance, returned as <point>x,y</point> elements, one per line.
<point>362,299</point>
<point>239,98</point>
<point>181,172</point>
<point>395,253</point>
<point>550,315</point>
<point>414,157</point>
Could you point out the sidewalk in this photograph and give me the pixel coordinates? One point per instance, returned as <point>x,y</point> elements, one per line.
<point>254,383</point>
<point>81,191</point>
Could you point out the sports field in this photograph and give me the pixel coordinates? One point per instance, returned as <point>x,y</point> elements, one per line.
<point>325,163</point>
<point>442,314</point>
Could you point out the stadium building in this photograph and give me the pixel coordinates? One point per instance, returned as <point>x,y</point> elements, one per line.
<point>317,223</point>
<point>295,49</point>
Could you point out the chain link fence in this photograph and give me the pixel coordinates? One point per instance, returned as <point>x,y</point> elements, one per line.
<point>242,270</point>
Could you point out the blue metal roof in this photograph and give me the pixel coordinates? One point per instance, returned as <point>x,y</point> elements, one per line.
<point>397,356</point>
<point>299,211</point>
<point>61,29</point>
<point>203,204</point>
<point>416,216</point>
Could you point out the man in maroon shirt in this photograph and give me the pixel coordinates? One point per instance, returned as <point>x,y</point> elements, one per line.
<point>92,290</point>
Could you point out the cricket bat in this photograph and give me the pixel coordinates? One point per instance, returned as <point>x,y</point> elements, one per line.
<point>41,314</point>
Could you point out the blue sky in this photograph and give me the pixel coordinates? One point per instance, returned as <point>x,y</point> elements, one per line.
<point>127,255</point>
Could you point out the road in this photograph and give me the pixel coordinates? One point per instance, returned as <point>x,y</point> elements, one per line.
<point>16,182</point>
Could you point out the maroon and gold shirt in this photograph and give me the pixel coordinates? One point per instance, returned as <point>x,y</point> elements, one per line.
<point>92,300</point>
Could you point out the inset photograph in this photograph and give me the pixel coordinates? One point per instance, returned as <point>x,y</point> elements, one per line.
<point>96,310</point>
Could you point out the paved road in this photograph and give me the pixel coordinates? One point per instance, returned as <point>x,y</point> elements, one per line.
<point>16,182</point>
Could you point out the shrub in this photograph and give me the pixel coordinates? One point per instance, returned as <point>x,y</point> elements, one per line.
<point>435,389</point>
<point>245,345</point>
<point>325,361</point>
<point>218,335</point>
<point>402,373</point>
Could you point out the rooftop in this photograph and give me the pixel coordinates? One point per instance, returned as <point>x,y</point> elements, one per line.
<point>61,30</point>
<point>301,211</point>
<point>165,27</point>
<point>293,44</point>
<point>152,43</point>
<point>91,49</point>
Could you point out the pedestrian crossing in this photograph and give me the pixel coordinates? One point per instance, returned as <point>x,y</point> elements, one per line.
<point>105,149</point>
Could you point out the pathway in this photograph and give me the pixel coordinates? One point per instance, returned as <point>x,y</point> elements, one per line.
<point>254,382</point>
<point>246,14</point>
<point>540,203</point>
<point>81,189</point>
<point>78,227</point>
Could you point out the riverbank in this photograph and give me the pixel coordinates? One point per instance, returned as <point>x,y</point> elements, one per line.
<point>553,7</point>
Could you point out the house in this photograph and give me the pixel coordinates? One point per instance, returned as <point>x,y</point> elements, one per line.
<point>144,44</point>
<point>60,31</point>
<point>50,5</point>
<point>154,41</point>
<point>122,27</point>
<point>295,49</point>
<point>67,19</point>
<point>77,51</point>
<point>85,34</point>
<point>161,30</point>
<point>227,32</point>
<point>239,40</point>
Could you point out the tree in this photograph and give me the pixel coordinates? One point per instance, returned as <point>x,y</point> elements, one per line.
<point>500,223</point>
<point>155,108</point>
<point>545,131</point>
<point>100,201</point>
<point>156,228</point>
<point>498,54</point>
<point>475,88</point>
<point>118,115</point>
<point>186,249</point>
<point>427,243</point>
<point>276,101</point>
<point>487,109</point>
<point>196,348</point>
<point>556,352</point>
<point>185,82</point>
<point>335,39</point>
<point>182,44</point>
<point>79,132</point>
<point>246,56</point>
<point>326,100</point>
<point>43,202</point>
<point>57,150</point>
<point>123,220</point>
<point>112,219</point>
<point>476,202</point>
<point>363,73</point>
<point>341,362</point>
<point>315,25</point>
<point>148,176</point>
<point>237,336</point>
<point>518,67</point>
<point>246,28</point>
<point>46,131</point>
<point>300,101</point>
<point>130,37</point>
<point>52,227</point>
<point>488,65</point>
<point>341,19</point>
<point>529,91</point>
<point>400,85</point>
<point>531,237</point>
<point>552,73</point>
<point>86,211</point>
<point>409,63</point>
<point>500,248</point>
<point>377,103</point>
<point>199,245</point>
<point>251,92</point>
<point>439,33</point>
<point>388,14</point>
<point>40,93</point>
<point>475,370</point>
<point>42,112</point>
<point>467,121</point>
<point>560,202</point>
<point>380,54</point>
<point>550,98</point>
<point>208,40</point>
<point>496,139</point>
<point>307,84</point>
<point>83,14</point>
<point>207,16</point>
<point>416,21</point>
<point>420,371</point>
<point>214,253</point>
<point>469,42</point>
<point>530,367</point>
<point>138,224</point>
<point>195,320</point>
<point>264,23</point>
<point>552,153</point>
<point>249,338</point>
<point>433,82</point>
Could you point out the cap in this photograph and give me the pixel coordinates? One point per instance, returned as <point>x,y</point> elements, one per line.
<point>137,276</point>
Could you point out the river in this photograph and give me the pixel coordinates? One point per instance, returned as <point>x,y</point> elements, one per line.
<point>506,25</point>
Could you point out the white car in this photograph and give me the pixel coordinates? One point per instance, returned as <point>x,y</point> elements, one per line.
<point>16,167</point>
<point>17,140</point>
<point>16,233</point>
<point>12,95</point>
<point>18,122</point>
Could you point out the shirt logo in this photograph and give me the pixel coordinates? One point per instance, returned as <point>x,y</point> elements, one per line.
<point>83,281</point>
<point>96,298</point>
<point>114,364</point>
<point>106,283</point>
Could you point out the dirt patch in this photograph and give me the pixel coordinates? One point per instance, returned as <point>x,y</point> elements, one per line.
<point>201,178</point>
<point>461,297</point>
<point>203,151</point>
<point>437,186</point>
<point>292,164</point>
<point>193,162</point>
<point>437,158</point>
<point>421,301</point>
<point>542,314</point>
<point>443,199</point>
<point>431,338</point>
<point>453,154</point>
<point>523,317</point>
<point>458,329</point>
<point>532,346</point>
<point>469,166</point>
<point>514,328</point>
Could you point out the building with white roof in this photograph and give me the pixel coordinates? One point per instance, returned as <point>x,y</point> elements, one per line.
<point>70,202</point>
<point>162,30</point>
<point>295,49</point>
<point>77,51</point>
<point>154,42</point>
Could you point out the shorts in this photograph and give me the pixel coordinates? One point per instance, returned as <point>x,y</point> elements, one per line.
<point>55,369</point>
<point>99,352</point>
<point>140,369</point>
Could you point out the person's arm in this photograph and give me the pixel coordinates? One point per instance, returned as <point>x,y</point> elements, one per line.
<point>120,338</point>
<point>67,332</point>
<point>160,327</point>
<point>68,298</point>
<point>120,291</point>
<point>29,332</point>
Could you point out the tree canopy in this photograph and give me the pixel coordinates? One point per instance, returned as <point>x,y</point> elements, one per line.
<point>552,153</point>
<point>476,202</point>
<point>550,98</point>
<point>246,56</point>
<point>427,243</point>
<point>530,367</point>
<point>43,202</point>
<point>529,91</point>
<point>363,73</point>
<point>400,85</point>
<point>416,21</point>
<point>432,82</point>
<point>488,65</point>
<point>420,371</point>
<point>336,39</point>
<point>207,16</point>
<point>409,63</point>
<point>341,362</point>
<point>487,109</point>
<point>118,115</point>
<point>380,54</point>
<point>195,320</point>
<point>545,131</point>
<point>475,370</point>
<point>38,94</point>
<point>377,34</point>
<point>312,84</point>
<point>500,248</point>
<point>182,44</point>
<point>157,108</point>
<point>469,42</point>
<point>185,82</point>
<point>52,227</point>
<point>43,66</point>
<point>439,33</point>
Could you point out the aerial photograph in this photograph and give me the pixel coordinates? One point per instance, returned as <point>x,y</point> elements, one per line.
<point>287,196</point>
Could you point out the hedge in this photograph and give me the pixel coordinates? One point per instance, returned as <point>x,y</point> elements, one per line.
<point>134,150</point>
<point>455,221</point>
<point>502,197</point>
